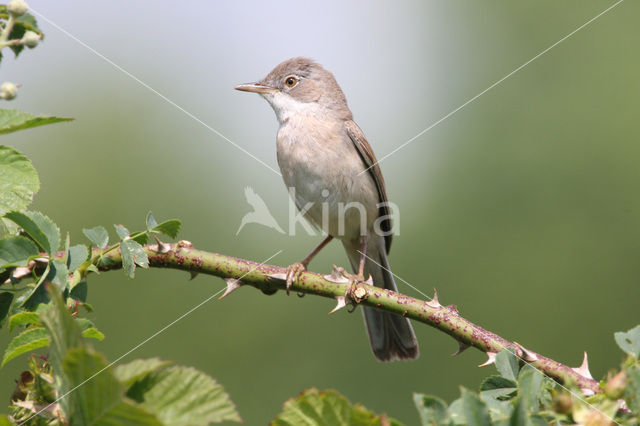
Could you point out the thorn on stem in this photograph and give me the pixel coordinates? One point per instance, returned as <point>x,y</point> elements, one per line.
<point>527,355</point>
<point>461,348</point>
<point>232,285</point>
<point>342,302</point>
<point>491,359</point>
<point>162,247</point>
<point>434,302</point>
<point>583,370</point>
<point>192,275</point>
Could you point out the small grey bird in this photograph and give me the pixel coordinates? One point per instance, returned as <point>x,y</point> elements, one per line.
<point>322,153</point>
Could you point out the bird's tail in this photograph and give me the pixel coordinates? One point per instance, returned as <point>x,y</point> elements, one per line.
<point>391,336</point>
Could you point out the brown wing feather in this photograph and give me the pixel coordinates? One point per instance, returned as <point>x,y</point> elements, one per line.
<point>369,159</point>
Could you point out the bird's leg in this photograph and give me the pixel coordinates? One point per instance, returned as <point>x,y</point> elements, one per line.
<point>294,271</point>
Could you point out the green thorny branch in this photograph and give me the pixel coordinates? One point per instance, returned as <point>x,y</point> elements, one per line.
<point>270,278</point>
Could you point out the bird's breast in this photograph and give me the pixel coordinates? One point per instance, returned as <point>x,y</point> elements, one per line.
<point>321,166</point>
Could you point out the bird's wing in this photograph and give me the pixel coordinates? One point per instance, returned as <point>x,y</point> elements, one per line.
<point>369,161</point>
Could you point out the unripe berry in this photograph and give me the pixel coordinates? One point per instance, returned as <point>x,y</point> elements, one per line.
<point>30,39</point>
<point>8,91</point>
<point>17,7</point>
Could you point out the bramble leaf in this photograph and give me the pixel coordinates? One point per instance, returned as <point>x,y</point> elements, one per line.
<point>12,120</point>
<point>183,395</point>
<point>19,179</point>
<point>39,227</point>
<point>629,341</point>
<point>98,236</point>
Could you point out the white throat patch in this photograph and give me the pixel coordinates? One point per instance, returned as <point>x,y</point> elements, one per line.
<point>285,106</point>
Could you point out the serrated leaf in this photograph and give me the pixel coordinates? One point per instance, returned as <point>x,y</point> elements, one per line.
<point>530,388</point>
<point>138,369</point>
<point>629,341</point>
<point>23,318</point>
<point>183,395</point>
<point>26,341</point>
<point>121,231</point>
<point>99,398</point>
<point>39,227</point>
<point>170,227</point>
<point>16,251</point>
<point>77,256</point>
<point>475,410</point>
<point>315,408</point>
<point>18,179</point>
<point>507,364</point>
<point>133,254</point>
<point>432,410</point>
<point>56,274</point>
<point>93,333</point>
<point>6,299</point>
<point>65,335</point>
<point>456,412</point>
<point>497,382</point>
<point>142,238</point>
<point>632,392</point>
<point>98,236</point>
<point>151,221</point>
<point>79,292</point>
<point>12,120</point>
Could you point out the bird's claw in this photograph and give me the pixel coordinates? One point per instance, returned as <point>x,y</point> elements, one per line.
<point>293,273</point>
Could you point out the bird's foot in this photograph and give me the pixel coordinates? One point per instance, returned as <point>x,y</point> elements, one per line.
<point>293,273</point>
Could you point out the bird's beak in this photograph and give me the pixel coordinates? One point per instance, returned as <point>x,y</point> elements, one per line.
<point>256,87</point>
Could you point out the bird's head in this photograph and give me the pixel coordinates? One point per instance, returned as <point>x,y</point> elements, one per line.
<point>300,85</point>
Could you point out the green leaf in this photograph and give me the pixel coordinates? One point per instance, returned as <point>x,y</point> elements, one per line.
<point>121,231</point>
<point>632,392</point>
<point>497,392</point>
<point>98,397</point>
<point>98,236</point>
<point>12,120</point>
<point>151,221</point>
<point>141,238</point>
<point>432,410</point>
<point>93,333</point>
<point>507,364</point>
<point>19,180</point>
<point>497,382</point>
<point>475,410</point>
<point>315,408</point>
<point>16,251</point>
<point>23,318</point>
<point>65,335</point>
<point>133,254</point>
<point>27,341</point>
<point>79,292</point>
<point>456,412</point>
<point>77,256</point>
<point>39,227</point>
<point>57,274</point>
<point>629,341</point>
<point>530,388</point>
<point>138,369</point>
<point>170,227</point>
<point>6,299</point>
<point>183,395</point>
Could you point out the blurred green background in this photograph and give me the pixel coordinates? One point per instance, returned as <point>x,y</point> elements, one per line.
<point>522,208</point>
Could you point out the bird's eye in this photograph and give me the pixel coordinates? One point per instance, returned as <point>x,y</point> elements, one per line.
<point>290,81</point>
